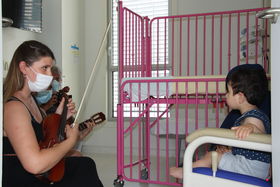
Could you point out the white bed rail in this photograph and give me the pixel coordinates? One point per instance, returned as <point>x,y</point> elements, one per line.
<point>260,142</point>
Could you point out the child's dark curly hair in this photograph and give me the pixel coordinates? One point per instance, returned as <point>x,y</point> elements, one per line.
<point>252,82</point>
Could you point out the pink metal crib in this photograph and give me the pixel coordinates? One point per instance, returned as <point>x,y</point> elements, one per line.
<point>171,82</point>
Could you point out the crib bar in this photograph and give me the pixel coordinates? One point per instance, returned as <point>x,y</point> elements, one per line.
<point>120,43</point>
<point>165,45</point>
<point>206,107</point>
<point>180,73</point>
<point>266,47</point>
<point>176,124</point>
<point>157,62</point>
<point>196,41</point>
<point>238,38</point>
<point>173,66</point>
<point>229,41</point>
<point>147,56</point>
<point>257,40</point>
<point>130,143</point>
<point>158,107</point>
<point>247,37</point>
<point>212,47</point>
<point>147,143</point>
<point>204,45</point>
<point>167,138</point>
<point>221,44</point>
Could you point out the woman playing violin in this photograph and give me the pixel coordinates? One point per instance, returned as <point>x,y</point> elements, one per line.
<point>23,159</point>
<point>48,101</point>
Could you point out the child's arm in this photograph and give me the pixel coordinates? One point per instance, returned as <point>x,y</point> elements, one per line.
<point>250,125</point>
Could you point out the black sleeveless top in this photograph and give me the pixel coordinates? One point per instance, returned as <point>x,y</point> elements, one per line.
<point>7,147</point>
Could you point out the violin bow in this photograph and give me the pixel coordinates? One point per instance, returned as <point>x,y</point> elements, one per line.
<point>93,69</point>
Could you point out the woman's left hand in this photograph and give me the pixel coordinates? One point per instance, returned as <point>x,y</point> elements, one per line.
<point>70,108</point>
<point>87,130</point>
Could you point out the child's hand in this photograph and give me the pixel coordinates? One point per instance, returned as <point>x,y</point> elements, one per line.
<point>223,149</point>
<point>243,131</point>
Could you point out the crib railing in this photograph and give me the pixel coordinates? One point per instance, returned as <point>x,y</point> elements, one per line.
<point>209,43</point>
<point>167,48</point>
<point>195,44</point>
<point>154,117</point>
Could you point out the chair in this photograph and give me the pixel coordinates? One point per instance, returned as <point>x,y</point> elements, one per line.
<point>199,177</point>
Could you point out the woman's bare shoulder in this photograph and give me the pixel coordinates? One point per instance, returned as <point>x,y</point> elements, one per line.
<point>14,106</point>
<point>15,111</point>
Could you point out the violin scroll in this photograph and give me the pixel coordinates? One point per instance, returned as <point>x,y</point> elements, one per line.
<point>62,93</point>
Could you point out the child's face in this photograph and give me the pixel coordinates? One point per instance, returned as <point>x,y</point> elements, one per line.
<point>232,100</point>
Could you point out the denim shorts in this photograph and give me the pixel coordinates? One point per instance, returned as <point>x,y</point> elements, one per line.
<point>242,165</point>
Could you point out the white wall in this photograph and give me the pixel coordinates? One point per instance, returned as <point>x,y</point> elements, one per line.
<point>13,37</point>
<point>51,32</point>
<point>103,138</point>
<point>71,37</point>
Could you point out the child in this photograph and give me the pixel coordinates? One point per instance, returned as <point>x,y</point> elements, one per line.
<point>246,89</point>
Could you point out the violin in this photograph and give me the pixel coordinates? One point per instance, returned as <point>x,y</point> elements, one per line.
<point>51,138</point>
<point>54,132</point>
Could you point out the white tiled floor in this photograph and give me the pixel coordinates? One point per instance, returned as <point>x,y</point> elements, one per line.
<point>106,166</point>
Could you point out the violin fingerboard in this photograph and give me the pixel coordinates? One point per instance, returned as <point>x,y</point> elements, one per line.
<point>82,126</point>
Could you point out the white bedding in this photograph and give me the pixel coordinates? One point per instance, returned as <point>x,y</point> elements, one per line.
<point>142,90</point>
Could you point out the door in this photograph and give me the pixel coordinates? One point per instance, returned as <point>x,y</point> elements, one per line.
<point>275,95</point>
<point>273,15</point>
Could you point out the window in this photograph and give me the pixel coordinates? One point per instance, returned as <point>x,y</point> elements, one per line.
<point>150,8</point>
<point>25,14</point>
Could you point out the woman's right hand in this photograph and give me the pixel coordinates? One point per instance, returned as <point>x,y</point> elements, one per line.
<point>72,132</point>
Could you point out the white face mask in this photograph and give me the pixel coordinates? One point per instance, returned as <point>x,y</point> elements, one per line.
<point>41,83</point>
